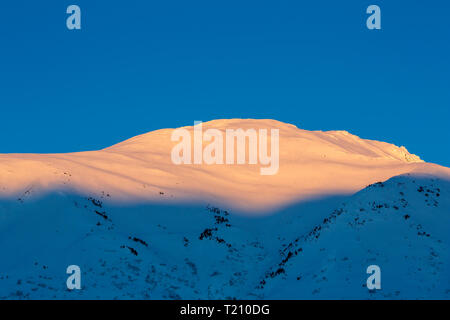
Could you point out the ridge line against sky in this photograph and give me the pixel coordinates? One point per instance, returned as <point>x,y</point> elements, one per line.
<point>140,67</point>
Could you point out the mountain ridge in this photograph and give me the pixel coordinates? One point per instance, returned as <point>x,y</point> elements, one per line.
<point>312,163</point>
<point>141,227</point>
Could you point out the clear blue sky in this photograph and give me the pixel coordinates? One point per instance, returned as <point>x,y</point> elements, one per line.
<point>138,66</point>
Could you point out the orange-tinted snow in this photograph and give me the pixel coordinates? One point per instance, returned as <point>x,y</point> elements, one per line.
<point>311,164</point>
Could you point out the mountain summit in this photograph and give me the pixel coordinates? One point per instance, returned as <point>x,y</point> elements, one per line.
<point>138,226</point>
<point>311,164</point>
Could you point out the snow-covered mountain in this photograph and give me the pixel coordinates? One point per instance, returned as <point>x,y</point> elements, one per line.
<point>142,227</point>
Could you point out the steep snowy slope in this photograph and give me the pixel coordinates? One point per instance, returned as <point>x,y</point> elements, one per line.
<point>402,225</point>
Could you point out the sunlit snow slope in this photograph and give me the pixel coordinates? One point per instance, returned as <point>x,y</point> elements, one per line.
<point>312,163</point>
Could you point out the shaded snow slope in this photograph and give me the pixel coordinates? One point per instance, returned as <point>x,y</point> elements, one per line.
<point>319,249</point>
<point>402,225</point>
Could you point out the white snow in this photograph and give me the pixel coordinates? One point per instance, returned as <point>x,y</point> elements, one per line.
<point>204,232</point>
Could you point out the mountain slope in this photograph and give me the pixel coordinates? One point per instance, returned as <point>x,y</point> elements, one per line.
<point>191,252</point>
<point>401,225</point>
<point>140,227</point>
<point>316,163</point>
